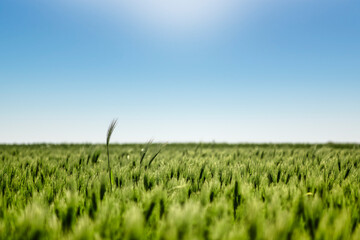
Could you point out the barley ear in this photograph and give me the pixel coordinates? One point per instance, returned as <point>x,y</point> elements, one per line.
<point>109,132</point>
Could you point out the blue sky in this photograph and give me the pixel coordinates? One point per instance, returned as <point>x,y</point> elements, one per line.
<point>178,71</point>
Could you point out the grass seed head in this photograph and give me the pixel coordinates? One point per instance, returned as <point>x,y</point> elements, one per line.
<point>110,130</point>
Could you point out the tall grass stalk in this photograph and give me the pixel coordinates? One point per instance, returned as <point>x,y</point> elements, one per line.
<point>109,132</point>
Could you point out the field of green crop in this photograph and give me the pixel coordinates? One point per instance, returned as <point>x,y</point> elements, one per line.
<point>187,191</point>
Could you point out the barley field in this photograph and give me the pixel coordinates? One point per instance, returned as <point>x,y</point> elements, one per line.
<point>180,191</point>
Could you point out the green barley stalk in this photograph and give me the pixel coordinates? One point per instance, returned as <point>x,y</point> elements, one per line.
<point>157,153</point>
<point>144,151</point>
<point>109,132</point>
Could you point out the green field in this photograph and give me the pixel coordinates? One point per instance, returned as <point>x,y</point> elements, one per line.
<point>188,191</point>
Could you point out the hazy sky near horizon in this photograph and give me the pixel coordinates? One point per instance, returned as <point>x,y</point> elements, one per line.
<point>178,71</point>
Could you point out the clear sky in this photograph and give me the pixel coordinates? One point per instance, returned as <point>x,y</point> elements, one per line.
<point>178,71</point>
